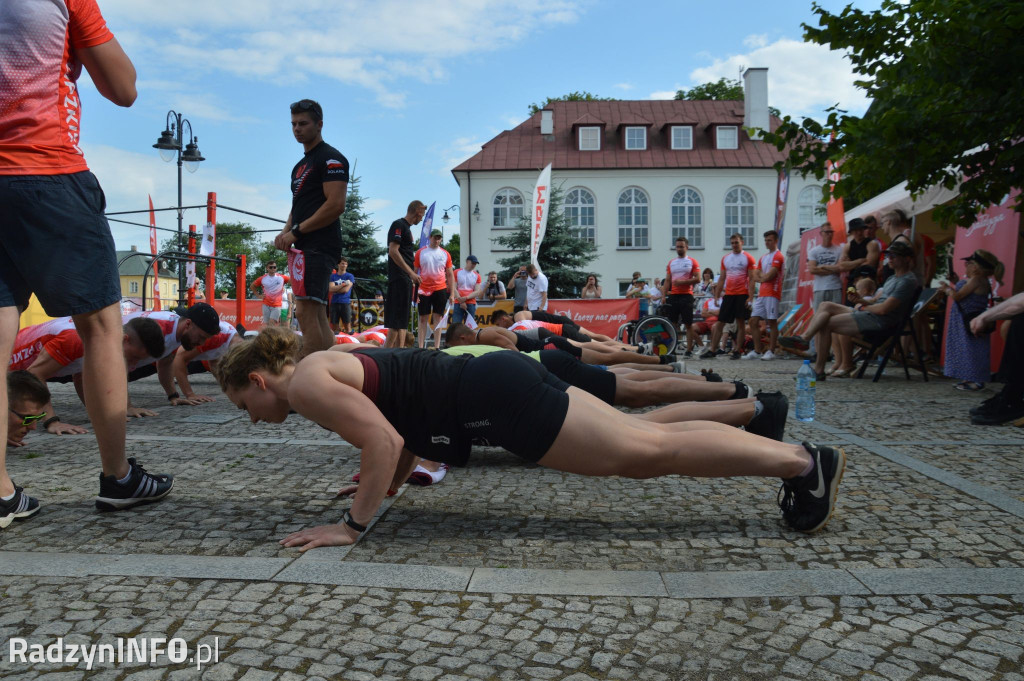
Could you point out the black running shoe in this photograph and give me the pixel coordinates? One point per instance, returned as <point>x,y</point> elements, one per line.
<point>141,488</point>
<point>988,405</point>
<point>999,413</point>
<point>807,502</point>
<point>20,506</point>
<point>710,376</point>
<point>743,391</point>
<point>688,353</point>
<point>771,422</point>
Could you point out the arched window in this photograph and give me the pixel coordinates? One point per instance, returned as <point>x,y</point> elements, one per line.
<point>688,217</point>
<point>739,214</point>
<point>579,211</point>
<point>633,219</point>
<point>508,208</point>
<point>810,209</point>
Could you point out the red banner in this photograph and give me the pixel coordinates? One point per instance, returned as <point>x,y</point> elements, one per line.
<point>227,309</point>
<point>804,280</point>
<point>600,316</point>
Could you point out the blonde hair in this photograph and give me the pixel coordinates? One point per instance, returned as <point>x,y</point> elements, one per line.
<point>998,271</point>
<point>273,349</point>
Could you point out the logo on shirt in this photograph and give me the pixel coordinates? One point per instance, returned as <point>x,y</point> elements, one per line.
<point>477,424</point>
<point>334,164</point>
<point>440,440</point>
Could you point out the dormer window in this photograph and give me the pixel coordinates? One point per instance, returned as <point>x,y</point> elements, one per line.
<point>636,138</point>
<point>682,137</point>
<point>590,138</point>
<point>727,137</point>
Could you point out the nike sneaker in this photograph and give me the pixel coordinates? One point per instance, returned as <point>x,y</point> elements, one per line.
<point>771,422</point>
<point>807,501</point>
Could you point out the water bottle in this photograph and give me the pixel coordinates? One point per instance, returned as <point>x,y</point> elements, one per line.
<point>805,384</point>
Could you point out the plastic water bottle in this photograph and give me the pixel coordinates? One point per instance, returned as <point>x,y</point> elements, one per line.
<point>806,381</point>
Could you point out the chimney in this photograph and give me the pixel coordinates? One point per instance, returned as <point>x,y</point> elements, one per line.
<point>547,122</point>
<point>134,248</point>
<point>755,100</point>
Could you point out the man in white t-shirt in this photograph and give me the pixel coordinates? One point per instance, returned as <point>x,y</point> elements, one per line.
<point>536,289</point>
<point>433,264</point>
<point>468,285</point>
<point>823,263</point>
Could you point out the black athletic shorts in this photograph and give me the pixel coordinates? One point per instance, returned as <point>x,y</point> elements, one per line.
<point>341,312</point>
<point>574,333</point>
<point>678,308</point>
<point>598,382</point>
<point>311,276</point>
<point>733,308</point>
<point>435,303</point>
<point>56,243</point>
<point>551,341</point>
<point>398,303</point>
<point>545,316</point>
<point>536,399</point>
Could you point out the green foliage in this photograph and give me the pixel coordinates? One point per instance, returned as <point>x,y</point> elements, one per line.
<point>583,96</point>
<point>233,238</point>
<point>563,256</point>
<point>358,244</point>
<point>454,247</point>
<point>721,89</point>
<point>946,81</point>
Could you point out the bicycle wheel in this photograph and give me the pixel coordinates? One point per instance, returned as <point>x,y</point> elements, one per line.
<point>625,333</point>
<point>658,331</point>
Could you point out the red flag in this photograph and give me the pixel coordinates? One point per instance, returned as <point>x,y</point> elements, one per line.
<point>152,249</point>
<point>834,210</point>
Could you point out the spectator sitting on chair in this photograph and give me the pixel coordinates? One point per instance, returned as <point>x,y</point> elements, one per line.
<point>897,296</point>
<point>1008,403</point>
<point>638,288</point>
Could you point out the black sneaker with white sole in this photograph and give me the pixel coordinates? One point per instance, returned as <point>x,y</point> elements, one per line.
<point>19,506</point>
<point>743,391</point>
<point>771,422</point>
<point>807,501</point>
<point>141,488</point>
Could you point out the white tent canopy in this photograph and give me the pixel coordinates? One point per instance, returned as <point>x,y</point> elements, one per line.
<point>899,197</point>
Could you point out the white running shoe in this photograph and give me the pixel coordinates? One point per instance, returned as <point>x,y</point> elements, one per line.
<point>768,355</point>
<point>751,355</point>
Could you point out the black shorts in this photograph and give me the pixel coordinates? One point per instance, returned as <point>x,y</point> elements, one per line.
<point>678,308</point>
<point>435,302</point>
<point>598,382</point>
<point>56,243</point>
<point>311,276</point>
<point>536,404</point>
<point>548,341</point>
<point>398,303</point>
<point>574,333</point>
<point>544,316</point>
<point>733,308</point>
<point>341,312</point>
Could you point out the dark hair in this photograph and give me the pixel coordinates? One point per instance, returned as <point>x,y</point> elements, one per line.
<point>149,334</point>
<point>736,235</point>
<point>343,259</point>
<point>415,206</point>
<point>23,386</point>
<point>870,220</point>
<point>771,232</point>
<point>684,240</point>
<point>454,331</point>
<point>498,314</point>
<point>708,270</point>
<point>310,107</point>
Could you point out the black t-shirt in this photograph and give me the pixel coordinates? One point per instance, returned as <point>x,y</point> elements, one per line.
<point>401,233</point>
<point>323,163</point>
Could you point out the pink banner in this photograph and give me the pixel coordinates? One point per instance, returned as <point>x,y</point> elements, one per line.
<point>601,316</point>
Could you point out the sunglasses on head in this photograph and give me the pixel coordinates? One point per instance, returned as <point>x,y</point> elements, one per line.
<point>28,419</point>
<point>307,105</point>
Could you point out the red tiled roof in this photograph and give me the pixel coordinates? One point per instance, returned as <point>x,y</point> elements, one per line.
<point>524,148</point>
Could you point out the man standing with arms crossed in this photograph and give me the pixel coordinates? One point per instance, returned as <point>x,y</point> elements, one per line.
<point>312,234</point>
<point>54,240</point>
<point>342,282</point>
<point>681,273</point>
<point>735,287</point>
<point>766,306</point>
<point>401,277</point>
<point>272,284</point>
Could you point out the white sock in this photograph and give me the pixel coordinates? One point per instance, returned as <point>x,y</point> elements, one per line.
<point>10,497</point>
<point>125,478</point>
<point>758,408</point>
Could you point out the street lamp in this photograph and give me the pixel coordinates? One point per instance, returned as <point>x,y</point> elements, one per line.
<point>445,218</point>
<point>170,146</point>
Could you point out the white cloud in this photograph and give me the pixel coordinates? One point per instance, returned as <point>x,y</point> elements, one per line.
<point>803,78</point>
<point>623,86</point>
<point>377,205</point>
<point>371,45</point>
<point>457,151</point>
<point>755,41</point>
<point>663,94</point>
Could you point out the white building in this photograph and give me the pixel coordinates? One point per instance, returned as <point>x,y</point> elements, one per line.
<point>636,174</point>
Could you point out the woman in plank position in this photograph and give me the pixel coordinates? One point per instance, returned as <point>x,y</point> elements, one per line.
<point>396,405</point>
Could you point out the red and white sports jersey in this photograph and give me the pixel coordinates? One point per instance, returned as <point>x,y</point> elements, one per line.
<point>57,337</point>
<point>431,264</point>
<point>273,288</point>
<point>773,288</point>
<point>40,107</point>
<point>345,338</point>
<point>524,325</point>
<point>737,267</point>
<point>466,282</point>
<point>168,322</point>
<point>217,346</point>
<point>372,334</point>
<point>682,268</point>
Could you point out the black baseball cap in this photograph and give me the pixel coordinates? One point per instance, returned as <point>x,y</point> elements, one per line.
<point>205,317</point>
<point>857,223</point>
<point>900,248</point>
<point>981,260</point>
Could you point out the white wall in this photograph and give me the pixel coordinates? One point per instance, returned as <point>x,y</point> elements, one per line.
<point>614,264</point>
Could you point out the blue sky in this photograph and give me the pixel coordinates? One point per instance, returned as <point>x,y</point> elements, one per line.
<point>409,89</point>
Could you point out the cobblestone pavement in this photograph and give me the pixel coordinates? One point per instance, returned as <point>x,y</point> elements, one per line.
<point>510,571</point>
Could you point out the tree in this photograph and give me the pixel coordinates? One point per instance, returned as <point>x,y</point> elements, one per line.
<point>946,81</point>
<point>365,255</point>
<point>563,256</point>
<point>583,96</point>
<point>722,89</point>
<point>454,247</point>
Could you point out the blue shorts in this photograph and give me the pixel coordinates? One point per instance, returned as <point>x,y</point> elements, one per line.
<point>55,242</point>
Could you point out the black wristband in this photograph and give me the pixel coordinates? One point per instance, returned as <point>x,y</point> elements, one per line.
<point>173,396</point>
<point>347,519</point>
<point>295,230</point>
<point>49,421</point>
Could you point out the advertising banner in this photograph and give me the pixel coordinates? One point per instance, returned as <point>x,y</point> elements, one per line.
<point>805,281</point>
<point>428,224</point>
<point>781,194</point>
<point>152,249</point>
<point>227,309</point>
<point>601,316</point>
<point>541,195</point>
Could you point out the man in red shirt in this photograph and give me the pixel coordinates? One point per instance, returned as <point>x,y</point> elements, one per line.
<point>768,274</point>
<point>735,287</point>
<point>54,240</point>
<point>433,264</point>
<point>273,285</point>
<point>681,273</point>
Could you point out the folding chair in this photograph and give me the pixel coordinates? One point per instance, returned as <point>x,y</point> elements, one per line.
<point>882,343</point>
